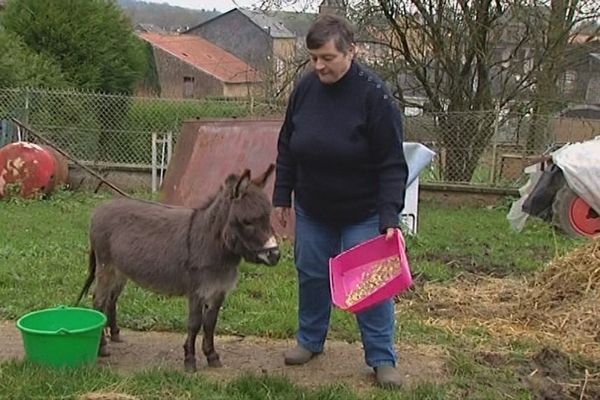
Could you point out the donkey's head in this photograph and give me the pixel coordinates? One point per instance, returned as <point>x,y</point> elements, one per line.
<point>248,232</point>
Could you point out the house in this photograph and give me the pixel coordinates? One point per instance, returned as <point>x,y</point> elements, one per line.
<point>296,22</point>
<point>592,87</point>
<point>339,7</point>
<point>261,39</point>
<point>189,66</point>
<point>143,27</point>
<point>583,38</point>
<point>253,36</point>
<point>581,83</point>
<point>515,49</point>
<point>577,123</point>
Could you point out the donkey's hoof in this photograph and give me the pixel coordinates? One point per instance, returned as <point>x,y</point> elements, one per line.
<point>214,362</point>
<point>116,338</point>
<point>103,351</point>
<point>190,366</point>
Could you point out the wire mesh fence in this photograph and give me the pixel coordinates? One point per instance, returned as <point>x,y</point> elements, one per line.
<point>477,148</point>
<point>492,147</point>
<point>110,128</point>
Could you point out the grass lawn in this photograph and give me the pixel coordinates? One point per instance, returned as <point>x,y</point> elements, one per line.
<point>43,263</point>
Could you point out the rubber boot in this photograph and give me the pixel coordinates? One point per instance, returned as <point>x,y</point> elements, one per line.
<point>298,356</point>
<point>388,377</point>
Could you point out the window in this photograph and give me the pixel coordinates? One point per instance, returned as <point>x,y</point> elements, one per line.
<point>188,87</point>
<point>570,81</point>
<point>279,67</point>
<point>519,61</point>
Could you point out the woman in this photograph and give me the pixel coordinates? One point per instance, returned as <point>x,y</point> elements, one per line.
<point>340,154</point>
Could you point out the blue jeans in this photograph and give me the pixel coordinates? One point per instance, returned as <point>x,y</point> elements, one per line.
<point>315,243</point>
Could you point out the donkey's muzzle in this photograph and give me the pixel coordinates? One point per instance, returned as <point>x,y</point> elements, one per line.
<point>269,256</point>
<point>270,253</point>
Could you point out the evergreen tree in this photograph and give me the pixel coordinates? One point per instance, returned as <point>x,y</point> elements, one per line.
<point>91,40</point>
<point>20,66</point>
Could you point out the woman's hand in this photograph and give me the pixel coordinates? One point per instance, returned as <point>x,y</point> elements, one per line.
<point>389,233</point>
<point>282,214</point>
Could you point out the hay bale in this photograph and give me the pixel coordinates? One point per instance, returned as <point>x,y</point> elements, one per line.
<point>568,278</point>
<point>565,296</point>
<point>560,305</point>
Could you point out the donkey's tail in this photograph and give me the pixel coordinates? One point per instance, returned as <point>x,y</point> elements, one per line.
<point>90,278</point>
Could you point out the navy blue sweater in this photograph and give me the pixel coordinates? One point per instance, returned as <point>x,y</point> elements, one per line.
<point>340,150</point>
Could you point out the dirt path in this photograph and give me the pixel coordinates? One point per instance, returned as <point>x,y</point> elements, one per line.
<point>341,362</point>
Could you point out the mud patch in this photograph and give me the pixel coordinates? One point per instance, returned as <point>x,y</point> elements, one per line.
<point>492,359</point>
<point>470,263</point>
<point>555,376</point>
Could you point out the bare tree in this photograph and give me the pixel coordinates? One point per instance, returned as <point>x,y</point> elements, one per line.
<point>476,55</point>
<point>468,58</point>
<point>280,76</point>
<point>447,48</point>
<point>553,57</point>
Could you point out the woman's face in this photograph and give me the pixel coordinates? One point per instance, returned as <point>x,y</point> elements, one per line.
<point>329,63</point>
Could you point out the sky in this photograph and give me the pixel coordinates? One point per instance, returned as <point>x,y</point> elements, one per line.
<point>220,5</point>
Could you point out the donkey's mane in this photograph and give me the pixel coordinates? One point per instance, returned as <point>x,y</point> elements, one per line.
<point>208,202</point>
<point>230,181</point>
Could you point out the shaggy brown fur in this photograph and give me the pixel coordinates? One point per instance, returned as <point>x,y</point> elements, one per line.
<point>181,251</point>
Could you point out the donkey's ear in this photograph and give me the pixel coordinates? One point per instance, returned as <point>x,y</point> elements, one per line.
<point>260,181</point>
<point>242,184</point>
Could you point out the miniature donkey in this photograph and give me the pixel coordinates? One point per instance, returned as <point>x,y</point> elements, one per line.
<point>181,252</point>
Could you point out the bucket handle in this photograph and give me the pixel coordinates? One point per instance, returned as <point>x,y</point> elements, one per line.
<point>62,331</point>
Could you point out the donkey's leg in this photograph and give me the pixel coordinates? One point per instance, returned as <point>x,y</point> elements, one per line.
<point>195,317</point>
<point>99,301</point>
<point>104,282</point>
<point>116,290</point>
<point>210,322</point>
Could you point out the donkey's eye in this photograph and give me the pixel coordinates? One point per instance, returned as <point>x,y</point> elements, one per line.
<point>247,222</point>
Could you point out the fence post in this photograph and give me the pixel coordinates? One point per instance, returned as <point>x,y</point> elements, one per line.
<point>26,119</point>
<point>164,163</point>
<point>169,147</point>
<point>164,158</point>
<point>21,133</point>
<point>166,143</point>
<point>154,161</point>
<point>495,145</point>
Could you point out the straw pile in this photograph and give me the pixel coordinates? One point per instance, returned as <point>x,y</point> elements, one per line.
<point>560,306</point>
<point>565,297</point>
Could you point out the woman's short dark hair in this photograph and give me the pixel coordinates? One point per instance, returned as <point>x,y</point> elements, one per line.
<point>327,27</point>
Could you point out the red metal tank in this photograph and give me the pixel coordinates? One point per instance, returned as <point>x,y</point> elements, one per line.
<point>35,168</point>
<point>209,150</point>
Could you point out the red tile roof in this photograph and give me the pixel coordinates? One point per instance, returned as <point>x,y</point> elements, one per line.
<point>581,38</point>
<point>204,56</point>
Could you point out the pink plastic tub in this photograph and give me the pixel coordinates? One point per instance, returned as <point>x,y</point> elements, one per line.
<point>348,270</point>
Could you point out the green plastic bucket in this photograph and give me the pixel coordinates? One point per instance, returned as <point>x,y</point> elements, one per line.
<point>62,336</point>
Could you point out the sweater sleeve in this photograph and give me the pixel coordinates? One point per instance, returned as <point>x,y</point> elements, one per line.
<point>285,171</point>
<point>387,135</point>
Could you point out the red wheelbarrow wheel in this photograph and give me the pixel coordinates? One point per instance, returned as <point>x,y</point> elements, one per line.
<point>572,215</point>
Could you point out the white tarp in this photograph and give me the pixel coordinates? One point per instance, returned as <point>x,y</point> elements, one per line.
<point>580,164</point>
<point>516,216</point>
<point>418,156</point>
